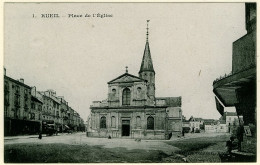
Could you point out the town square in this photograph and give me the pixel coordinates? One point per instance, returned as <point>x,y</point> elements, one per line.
<point>173,86</point>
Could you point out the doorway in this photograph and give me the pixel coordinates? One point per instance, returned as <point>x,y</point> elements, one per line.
<point>125,127</point>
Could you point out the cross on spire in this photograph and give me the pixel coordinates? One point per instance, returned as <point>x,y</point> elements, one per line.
<point>147,33</point>
<point>126,69</point>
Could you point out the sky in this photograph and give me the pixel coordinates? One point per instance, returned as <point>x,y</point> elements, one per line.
<point>190,43</point>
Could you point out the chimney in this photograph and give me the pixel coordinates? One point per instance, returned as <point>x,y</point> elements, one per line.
<point>21,80</point>
<point>33,91</point>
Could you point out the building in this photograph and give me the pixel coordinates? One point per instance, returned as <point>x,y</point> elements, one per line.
<point>132,109</point>
<point>19,118</point>
<point>215,126</point>
<point>238,89</point>
<point>186,126</point>
<point>232,118</point>
<point>232,121</point>
<point>25,108</point>
<point>195,124</point>
<point>64,108</point>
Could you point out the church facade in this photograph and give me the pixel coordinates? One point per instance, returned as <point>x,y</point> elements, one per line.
<point>132,110</point>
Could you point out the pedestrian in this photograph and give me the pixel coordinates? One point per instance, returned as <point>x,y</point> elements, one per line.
<point>183,132</point>
<point>230,145</point>
<point>40,135</point>
<point>109,137</point>
<point>240,131</point>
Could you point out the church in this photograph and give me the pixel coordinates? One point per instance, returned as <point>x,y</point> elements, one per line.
<point>132,109</point>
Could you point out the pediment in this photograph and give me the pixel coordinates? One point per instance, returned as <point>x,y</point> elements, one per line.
<point>126,78</point>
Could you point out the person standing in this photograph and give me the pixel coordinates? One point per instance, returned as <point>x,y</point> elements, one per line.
<point>40,135</point>
<point>240,132</point>
<point>230,145</point>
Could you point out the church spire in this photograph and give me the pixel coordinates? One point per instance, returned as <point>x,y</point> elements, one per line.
<point>147,33</point>
<point>147,64</point>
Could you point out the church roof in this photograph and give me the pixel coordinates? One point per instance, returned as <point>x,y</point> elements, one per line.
<point>171,101</point>
<point>147,63</point>
<point>126,77</point>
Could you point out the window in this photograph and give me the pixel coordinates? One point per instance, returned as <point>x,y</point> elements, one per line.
<point>33,105</point>
<point>138,122</point>
<point>113,121</point>
<point>32,116</point>
<point>17,89</point>
<point>150,122</point>
<point>6,98</point>
<point>57,114</point>
<point>113,92</point>
<point>103,122</point>
<point>6,88</point>
<point>126,96</point>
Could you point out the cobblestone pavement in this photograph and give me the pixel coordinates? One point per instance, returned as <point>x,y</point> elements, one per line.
<point>81,139</point>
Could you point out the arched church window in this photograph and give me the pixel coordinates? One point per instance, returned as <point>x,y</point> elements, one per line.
<point>113,92</point>
<point>103,122</point>
<point>139,91</point>
<point>150,123</point>
<point>126,96</point>
<point>138,122</point>
<point>113,122</point>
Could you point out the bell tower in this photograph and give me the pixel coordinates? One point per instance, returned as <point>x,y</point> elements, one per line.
<point>146,70</point>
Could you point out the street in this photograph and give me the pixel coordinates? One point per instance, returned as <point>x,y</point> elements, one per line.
<point>79,148</point>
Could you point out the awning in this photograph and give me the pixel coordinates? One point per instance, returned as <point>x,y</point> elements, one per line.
<point>226,88</point>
